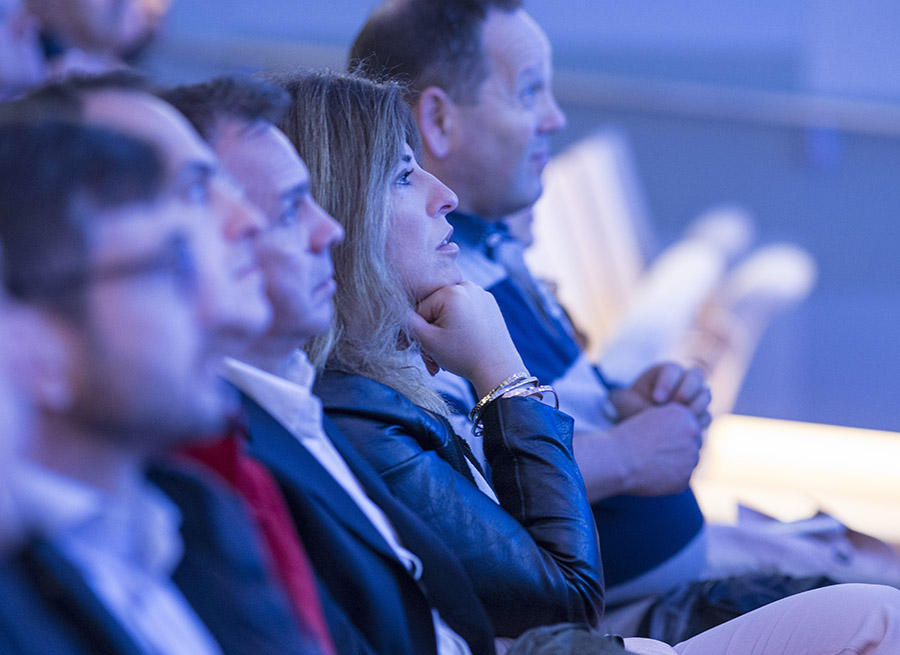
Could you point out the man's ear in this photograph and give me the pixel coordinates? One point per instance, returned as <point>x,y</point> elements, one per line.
<point>435,113</point>
<point>45,362</point>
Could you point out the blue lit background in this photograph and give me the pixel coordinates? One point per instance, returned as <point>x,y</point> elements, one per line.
<point>718,100</point>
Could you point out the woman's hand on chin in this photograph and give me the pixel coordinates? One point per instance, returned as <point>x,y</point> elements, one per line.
<point>461,329</point>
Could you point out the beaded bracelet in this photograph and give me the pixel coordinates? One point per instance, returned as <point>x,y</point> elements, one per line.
<point>478,411</point>
<point>534,391</point>
<point>524,389</point>
<point>511,383</point>
<point>493,393</point>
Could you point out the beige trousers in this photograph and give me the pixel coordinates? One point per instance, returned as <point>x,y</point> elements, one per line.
<point>847,619</point>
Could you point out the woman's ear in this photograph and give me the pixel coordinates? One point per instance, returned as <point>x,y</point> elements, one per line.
<point>44,363</point>
<point>435,113</point>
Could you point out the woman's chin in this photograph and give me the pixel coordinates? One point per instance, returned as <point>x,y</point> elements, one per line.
<point>423,289</point>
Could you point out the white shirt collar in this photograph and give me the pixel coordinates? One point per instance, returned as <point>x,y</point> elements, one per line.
<point>297,368</point>
<point>288,399</point>
<point>139,526</point>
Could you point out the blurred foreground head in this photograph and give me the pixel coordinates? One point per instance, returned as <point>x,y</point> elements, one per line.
<point>128,104</point>
<point>238,117</point>
<point>114,260</point>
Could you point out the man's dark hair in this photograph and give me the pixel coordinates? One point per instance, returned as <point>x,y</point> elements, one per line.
<point>56,179</point>
<point>64,99</point>
<point>244,99</point>
<point>428,43</point>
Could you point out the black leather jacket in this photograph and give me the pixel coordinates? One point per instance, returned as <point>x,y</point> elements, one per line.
<point>533,561</point>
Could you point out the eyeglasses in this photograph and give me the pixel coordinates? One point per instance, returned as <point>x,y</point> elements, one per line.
<point>174,258</point>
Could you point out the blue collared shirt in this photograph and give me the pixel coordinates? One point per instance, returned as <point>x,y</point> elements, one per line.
<point>639,536</point>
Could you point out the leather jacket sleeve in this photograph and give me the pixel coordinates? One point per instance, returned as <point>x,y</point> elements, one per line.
<point>533,559</point>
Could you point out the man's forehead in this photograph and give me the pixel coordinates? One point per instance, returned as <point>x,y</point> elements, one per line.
<point>140,223</point>
<point>515,42</point>
<point>259,147</point>
<point>146,117</point>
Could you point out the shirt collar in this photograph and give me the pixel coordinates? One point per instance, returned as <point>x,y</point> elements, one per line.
<point>140,525</point>
<point>297,368</point>
<point>475,232</point>
<point>288,399</point>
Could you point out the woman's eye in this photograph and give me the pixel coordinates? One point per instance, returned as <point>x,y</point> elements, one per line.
<point>404,179</point>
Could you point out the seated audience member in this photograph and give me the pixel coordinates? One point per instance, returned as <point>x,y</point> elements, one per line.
<point>481,78</point>
<point>533,558</point>
<point>399,302</point>
<point>109,240</point>
<point>227,455</point>
<point>379,566</point>
<point>125,102</point>
<point>21,58</point>
<point>482,97</point>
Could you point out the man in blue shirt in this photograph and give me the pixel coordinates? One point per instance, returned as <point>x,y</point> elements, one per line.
<point>480,76</point>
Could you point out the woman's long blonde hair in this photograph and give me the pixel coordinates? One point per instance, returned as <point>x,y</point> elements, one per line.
<point>350,131</point>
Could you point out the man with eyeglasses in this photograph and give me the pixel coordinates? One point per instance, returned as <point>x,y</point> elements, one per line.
<point>114,240</point>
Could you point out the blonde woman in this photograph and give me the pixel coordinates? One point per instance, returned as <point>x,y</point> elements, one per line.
<point>524,531</point>
<point>527,537</point>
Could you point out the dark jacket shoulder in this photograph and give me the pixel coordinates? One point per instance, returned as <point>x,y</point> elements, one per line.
<point>356,397</point>
<point>50,609</point>
<point>534,558</point>
<point>353,562</point>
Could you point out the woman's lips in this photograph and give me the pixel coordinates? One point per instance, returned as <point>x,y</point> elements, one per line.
<point>446,243</point>
<point>325,288</point>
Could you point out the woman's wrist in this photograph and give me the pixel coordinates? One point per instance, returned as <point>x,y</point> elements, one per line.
<point>518,385</point>
<point>512,383</point>
<point>491,373</point>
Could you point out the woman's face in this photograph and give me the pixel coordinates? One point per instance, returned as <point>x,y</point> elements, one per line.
<point>419,249</point>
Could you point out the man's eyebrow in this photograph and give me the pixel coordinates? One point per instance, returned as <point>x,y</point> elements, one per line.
<point>530,73</point>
